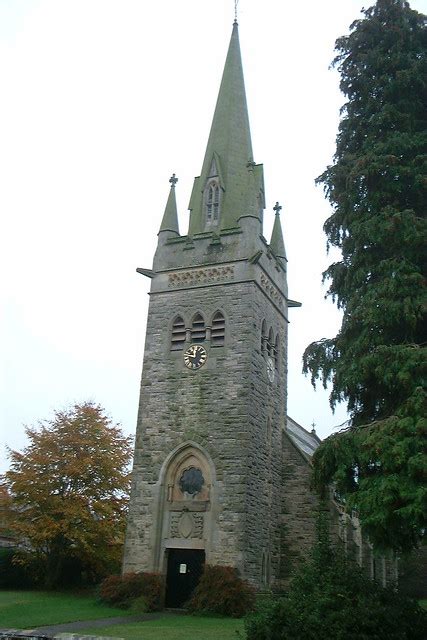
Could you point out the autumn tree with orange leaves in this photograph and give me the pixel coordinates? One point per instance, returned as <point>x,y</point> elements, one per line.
<point>69,489</point>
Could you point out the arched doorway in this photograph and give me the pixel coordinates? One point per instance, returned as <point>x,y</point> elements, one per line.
<point>185,566</point>
<point>187,521</point>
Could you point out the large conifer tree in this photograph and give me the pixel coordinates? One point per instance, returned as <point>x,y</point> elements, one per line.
<point>377,362</point>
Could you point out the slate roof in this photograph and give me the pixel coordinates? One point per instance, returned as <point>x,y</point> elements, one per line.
<point>305,441</point>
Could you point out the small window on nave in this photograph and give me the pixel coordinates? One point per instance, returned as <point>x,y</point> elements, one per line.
<point>178,334</point>
<point>198,329</point>
<point>263,571</point>
<point>212,203</point>
<point>218,330</point>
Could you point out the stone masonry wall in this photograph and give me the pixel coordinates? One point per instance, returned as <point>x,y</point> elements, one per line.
<point>300,507</point>
<point>230,409</point>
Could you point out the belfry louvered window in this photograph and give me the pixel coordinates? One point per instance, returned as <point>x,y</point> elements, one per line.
<point>218,330</point>
<point>212,202</point>
<point>263,337</point>
<point>178,334</point>
<point>198,329</point>
<point>276,352</point>
<point>270,345</point>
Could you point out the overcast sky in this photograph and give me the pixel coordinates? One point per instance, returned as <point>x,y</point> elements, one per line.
<point>100,102</point>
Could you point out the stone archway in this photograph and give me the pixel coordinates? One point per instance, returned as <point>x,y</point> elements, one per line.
<point>185,518</point>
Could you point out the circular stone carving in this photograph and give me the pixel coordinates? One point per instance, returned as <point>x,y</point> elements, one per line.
<point>191,481</point>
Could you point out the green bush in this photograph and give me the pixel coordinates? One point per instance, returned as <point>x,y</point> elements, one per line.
<point>331,598</point>
<point>16,571</point>
<point>222,591</point>
<point>141,591</point>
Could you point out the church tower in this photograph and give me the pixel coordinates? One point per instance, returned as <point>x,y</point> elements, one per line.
<point>207,477</point>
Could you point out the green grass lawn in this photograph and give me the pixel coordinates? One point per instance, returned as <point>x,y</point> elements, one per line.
<point>30,609</point>
<point>175,627</point>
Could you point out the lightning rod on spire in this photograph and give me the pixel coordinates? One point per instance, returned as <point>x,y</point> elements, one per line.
<point>236,2</point>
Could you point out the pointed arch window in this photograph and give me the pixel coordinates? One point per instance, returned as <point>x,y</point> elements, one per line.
<point>198,329</point>
<point>218,330</point>
<point>263,337</point>
<point>263,571</point>
<point>178,334</point>
<point>270,343</point>
<point>276,351</point>
<point>212,202</point>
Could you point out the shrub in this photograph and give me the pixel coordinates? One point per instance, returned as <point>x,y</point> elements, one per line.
<point>223,592</point>
<point>330,597</point>
<point>18,570</point>
<point>142,591</point>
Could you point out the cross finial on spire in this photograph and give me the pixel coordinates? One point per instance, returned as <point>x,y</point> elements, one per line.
<point>236,2</point>
<point>173,180</point>
<point>313,427</point>
<point>277,208</point>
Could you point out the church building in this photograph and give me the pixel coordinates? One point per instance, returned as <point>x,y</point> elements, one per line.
<point>221,474</point>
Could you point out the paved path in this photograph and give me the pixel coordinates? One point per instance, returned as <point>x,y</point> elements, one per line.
<point>86,624</point>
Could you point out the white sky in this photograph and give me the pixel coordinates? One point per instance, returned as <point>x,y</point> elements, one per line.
<point>100,102</point>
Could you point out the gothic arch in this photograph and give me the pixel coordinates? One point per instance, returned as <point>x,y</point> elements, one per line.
<point>181,451</point>
<point>270,342</point>
<point>212,202</point>
<point>177,332</point>
<point>198,328</point>
<point>218,329</point>
<point>263,571</point>
<point>263,336</point>
<point>276,350</point>
<point>184,515</point>
<point>178,486</point>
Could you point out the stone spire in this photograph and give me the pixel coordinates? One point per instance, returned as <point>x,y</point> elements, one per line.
<point>170,216</point>
<point>276,243</point>
<point>228,150</point>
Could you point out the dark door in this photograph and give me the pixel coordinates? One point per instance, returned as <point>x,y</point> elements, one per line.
<point>185,567</point>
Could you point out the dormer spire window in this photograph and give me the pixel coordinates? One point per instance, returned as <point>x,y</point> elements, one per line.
<point>212,202</point>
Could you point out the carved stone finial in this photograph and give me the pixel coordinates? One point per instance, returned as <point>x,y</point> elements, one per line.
<point>313,427</point>
<point>277,208</point>
<point>173,180</point>
<point>250,164</point>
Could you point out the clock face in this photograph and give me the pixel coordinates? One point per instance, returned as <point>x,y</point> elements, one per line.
<point>195,356</point>
<point>270,369</point>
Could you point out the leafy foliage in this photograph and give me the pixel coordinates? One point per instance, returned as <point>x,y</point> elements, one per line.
<point>330,597</point>
<point>141,591</point>
<point>412,575</point>
<point>69,490</point>
<point>222,591</point>
<point>377,362</point>
<point>15,574</point>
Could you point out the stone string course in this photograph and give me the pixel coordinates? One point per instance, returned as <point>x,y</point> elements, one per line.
<point>200,276</point>
<point>271,291</point>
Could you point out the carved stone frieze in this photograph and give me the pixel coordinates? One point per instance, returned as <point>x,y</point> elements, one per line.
<point>271,291</point>
<point>194,277</point>
<point>186,525</point>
